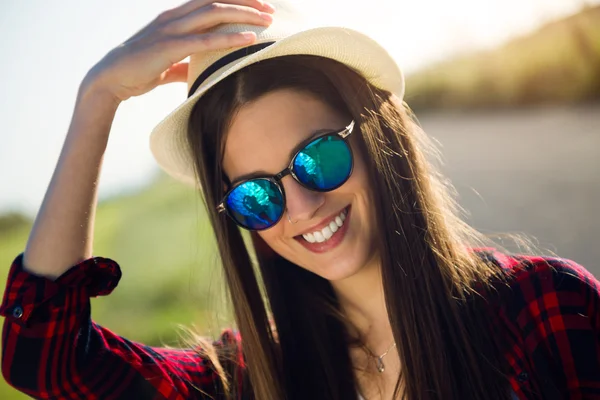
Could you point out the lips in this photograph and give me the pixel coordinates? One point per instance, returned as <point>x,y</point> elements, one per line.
<point>321,244</point>
<point>321,235</point>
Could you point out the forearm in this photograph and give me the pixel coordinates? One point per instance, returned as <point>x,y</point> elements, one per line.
<point>62,234</point>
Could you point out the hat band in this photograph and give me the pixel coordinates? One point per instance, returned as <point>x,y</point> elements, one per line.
<point>227,59</point>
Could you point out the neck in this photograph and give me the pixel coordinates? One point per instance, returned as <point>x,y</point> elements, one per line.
<point>362,301</point>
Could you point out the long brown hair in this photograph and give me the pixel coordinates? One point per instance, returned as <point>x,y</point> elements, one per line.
<point>295,343</point>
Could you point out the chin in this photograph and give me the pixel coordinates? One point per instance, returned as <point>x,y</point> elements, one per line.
<point>340,268</point>
<point>339,274</point>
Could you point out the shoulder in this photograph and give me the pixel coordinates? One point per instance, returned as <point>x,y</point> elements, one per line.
<point>548,309</point>
<point>544,282</point>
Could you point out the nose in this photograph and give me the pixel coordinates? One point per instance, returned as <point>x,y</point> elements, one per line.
<point>302,203</point>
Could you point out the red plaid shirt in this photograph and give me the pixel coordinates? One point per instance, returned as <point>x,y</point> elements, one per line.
<point>51,349</point>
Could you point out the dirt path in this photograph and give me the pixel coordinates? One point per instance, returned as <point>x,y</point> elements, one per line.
<point>532,171</point>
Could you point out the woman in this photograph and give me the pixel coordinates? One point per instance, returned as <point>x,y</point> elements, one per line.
<point>372,285</point>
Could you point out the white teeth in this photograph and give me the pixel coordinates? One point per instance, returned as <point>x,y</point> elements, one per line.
<point>333,226</point>
<point>319,237</point>
<point>309,237</point>
<point>327,232</point>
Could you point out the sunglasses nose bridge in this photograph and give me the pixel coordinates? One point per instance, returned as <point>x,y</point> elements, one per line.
<point>282,175</point>
<point>301,203</point>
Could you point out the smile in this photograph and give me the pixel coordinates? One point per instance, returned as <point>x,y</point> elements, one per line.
<point>328,234</point>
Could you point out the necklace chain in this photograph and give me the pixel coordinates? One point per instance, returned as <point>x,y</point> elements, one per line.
<point>380,366</point>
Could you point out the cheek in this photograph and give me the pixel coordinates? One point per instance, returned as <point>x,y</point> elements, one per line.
<point>360,176</point>
<point>360,185</point>
<point>273,237</point>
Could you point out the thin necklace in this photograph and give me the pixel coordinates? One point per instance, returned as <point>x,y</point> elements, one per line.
<point>380,366</point>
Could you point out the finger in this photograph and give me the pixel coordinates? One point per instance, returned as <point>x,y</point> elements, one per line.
<point>176,73</point>
<point>215,14</point>
<point>193,5</point>
<point>191,44</point>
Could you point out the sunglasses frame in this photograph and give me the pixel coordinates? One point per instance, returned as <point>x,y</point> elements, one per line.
<point>343,133</point>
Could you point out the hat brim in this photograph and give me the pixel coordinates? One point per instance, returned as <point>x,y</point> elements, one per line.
<point>168,141</point>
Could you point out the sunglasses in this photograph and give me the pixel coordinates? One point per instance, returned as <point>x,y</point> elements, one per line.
<point>323,163</point>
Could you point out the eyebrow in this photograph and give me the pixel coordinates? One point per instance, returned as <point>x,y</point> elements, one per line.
<point>293,152</point>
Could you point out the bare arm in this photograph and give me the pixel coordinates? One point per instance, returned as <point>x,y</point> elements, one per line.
<point>42,318</point>
<point>62,234</point>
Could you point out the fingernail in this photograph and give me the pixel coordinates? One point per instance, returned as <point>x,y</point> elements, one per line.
<point>248,35</point>
<point>266,17</point>
<point>270,6</point>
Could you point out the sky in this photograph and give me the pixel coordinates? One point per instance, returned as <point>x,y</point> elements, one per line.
<point>48,47</point>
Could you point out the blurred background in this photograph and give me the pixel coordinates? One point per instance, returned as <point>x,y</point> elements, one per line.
<point>509,88</point>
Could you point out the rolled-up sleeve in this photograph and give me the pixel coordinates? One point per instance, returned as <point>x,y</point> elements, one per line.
<point>31,298</point>
<point>51,348</point>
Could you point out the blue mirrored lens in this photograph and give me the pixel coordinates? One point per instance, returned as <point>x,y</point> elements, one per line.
<point>256,204</point>
<point>324,164</point>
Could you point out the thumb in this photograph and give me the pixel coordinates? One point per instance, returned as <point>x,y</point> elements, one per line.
<point>176,73</point>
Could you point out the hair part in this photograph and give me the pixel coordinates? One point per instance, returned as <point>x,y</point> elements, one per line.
<point>431,278</point>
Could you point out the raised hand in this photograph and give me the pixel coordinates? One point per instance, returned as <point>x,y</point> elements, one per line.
<point>152,56</point>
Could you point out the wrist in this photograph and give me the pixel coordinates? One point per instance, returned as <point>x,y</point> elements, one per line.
<point>91,90</point>
<point>95,110</point>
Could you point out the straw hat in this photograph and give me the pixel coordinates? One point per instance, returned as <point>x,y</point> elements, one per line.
<point>290,33</point>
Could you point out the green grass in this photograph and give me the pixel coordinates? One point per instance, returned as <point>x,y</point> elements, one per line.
<point>560,64</point>
<point>171,277</point>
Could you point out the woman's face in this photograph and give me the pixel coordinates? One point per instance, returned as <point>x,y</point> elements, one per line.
<point>262,138</point>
